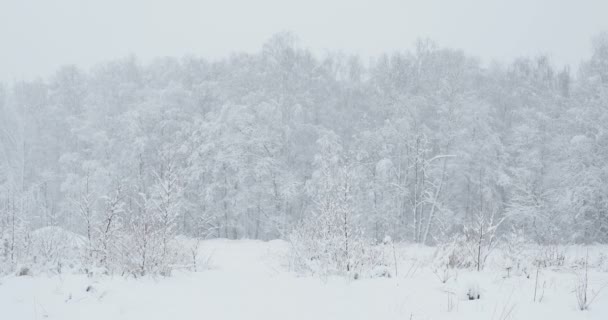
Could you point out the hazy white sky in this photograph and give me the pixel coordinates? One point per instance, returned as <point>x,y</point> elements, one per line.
<point>37,36</point>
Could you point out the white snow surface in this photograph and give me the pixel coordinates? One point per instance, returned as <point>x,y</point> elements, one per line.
<point>251,280</point>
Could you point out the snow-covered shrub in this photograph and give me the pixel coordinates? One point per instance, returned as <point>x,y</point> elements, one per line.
<point>447,258</point>
<point>513,254</point>
<point>14,229</point>
<point>108,230</point>
<point>142,255</point>
<point>24,271</point>
<point>584,294</point>
<point>453,254</point>
<point>189,255</point>
<point>325,251</point>
<point>480,237</point>
<point>322,247</point>
<point>54,249</point>
<point>473,292</point>
<point>601,262</point>
<point>329,240</point>
<point>443,272</point>
<point>389,256</point>
<point>381,271</point>
<point>550,256</point>
<point>148,245</point>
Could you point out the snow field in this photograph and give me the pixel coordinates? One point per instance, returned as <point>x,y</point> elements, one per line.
<point>251,280</point>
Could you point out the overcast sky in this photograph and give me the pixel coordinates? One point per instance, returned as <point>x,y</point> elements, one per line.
<point>37,36</point>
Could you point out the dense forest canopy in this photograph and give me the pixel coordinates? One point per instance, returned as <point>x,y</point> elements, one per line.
<point>418,145</point>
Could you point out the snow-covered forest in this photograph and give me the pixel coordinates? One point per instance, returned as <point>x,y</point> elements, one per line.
<point>419,146</point>
<point>127,168</point>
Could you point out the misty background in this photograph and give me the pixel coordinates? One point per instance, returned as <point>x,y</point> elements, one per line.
<point>39,36</point>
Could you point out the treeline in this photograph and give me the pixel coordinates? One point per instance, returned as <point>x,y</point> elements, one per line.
<point>418,146</point>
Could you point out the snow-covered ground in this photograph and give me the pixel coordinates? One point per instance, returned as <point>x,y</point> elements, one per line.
<point>251,280</point>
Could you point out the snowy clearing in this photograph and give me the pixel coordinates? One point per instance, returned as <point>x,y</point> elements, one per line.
<point>251,280</point>
<point>298,179</point>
